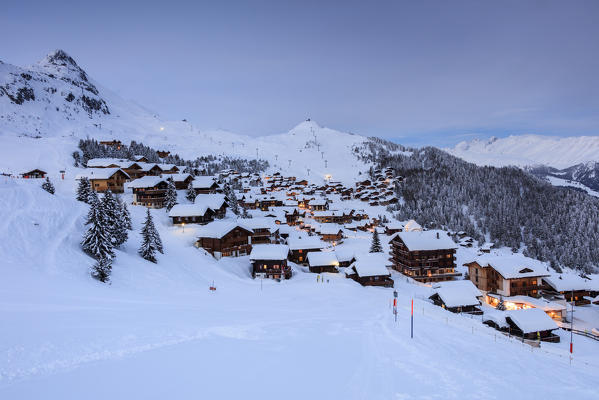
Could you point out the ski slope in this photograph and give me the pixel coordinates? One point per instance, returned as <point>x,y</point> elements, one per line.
<point>157,331</point>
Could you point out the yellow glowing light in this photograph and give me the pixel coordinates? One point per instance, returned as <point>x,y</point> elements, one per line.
<point>162,128</point>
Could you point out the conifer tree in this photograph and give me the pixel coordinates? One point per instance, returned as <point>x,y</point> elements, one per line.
<point>151,242</point>
<point>83,190</point>
<point>97,239</point>
<point>171,194</point>
<point>101,269</point>
<point>375,246</point>
<point>233,203</point>
<point>191,193</point>
<point>114,219</point>
<point>126,216</point>
<point>48,186</point>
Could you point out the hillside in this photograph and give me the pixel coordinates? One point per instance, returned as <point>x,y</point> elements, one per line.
<point>46,108</point>
<point>158,331</point>
<point>529,150</point>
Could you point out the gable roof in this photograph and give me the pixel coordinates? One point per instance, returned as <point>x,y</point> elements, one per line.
<point>426,240</point>
<point>370,265</point>
<point>513,266</point>
<point>322,258</point>
<point>101,173</point>
<point>204,182</point>
<point>458,294</point>
<point>213,200</point>
<point>218,229</point>
<point>306,244</point>
<point>531,320</point>
<point>146,181</point>
<point>187,210</point>
<point>269,252</point>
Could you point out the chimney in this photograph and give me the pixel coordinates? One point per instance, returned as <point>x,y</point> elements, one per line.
<point>437,235</point>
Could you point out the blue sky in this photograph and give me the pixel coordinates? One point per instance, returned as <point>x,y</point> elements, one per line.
<point>415,72</point>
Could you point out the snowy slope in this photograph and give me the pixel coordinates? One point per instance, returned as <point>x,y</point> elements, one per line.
<point>158,332</point>
<point>527,150</point>
<point>45,109</point>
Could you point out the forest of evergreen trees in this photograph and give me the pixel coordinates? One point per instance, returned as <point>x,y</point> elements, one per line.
<point>206,165</point>
<point>506,206</point>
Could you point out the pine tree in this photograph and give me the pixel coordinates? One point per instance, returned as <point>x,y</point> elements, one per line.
<point>97,239</point>
<point>101,269</point>
<point>233,203</point>
<point>171,194</point>
<point>375,246</point>
<point>126,216</point>
<point>114,219</point>
<point>151,240</point>
<point>48,186</point>
<point>83,190</point>
<point>191,193</point>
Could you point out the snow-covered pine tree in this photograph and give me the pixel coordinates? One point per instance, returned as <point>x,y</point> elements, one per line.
<point>191,193</point>
<point>171,194</point>
<point>233,203</point>
<point>375,246</point>
<point>151,242</point>
<point>97,239</point>
<point>101,269</point>
<point>114,219</point>
<point>48,186</point>
<point>126,216</point>
<point>83,190</point>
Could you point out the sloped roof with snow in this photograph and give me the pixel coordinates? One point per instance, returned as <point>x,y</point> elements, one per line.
<point>531,320</point>
<point>306,244</point>
<point>188,210</point>
<point>269,252</point>
<point>344,253</point>
<point>412,226</point>
<point>371,265</point>
<point>569,282</point>
<point>426,240</point>
<point>218,229</point>
<point>330,229</point>
<point>213,200</point>
<point>455,296</point>
<point>146,181</point>
<point>464,285</point>
<point>180,177</point>
<point>203,182</point>
<point>322,258</point>
<point>100,173</point>
<point>104,162</point>
<point>513,266</point>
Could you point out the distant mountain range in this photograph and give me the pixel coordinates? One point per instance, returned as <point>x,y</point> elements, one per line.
<point>574,159</point>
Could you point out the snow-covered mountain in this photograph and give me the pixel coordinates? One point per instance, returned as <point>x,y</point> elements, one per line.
<point>46,108</point>
<point>586,174</point>
<point>529,150</point>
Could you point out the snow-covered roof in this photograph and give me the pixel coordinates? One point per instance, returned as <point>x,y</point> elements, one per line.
<point>104,162</point>
<point>513,266</point>
<point>464,285</point>
<point>269,252</point>
<point>188,210</point>
<point>541,303</point>
<point>203,182</point>
<point>305,244</point>
<point>321,258</point>
<point>100,173</point>
<point>330,229</point>
<point>496,316</point>
<point>344,253</point>
<point>412,226</point>
<point>371,265</point>
<point>218,229</point>
<point>212,200</point>
<point>180,177</point>
<point>531,320</point>
<point>569,282</point>
<point>146,181</point>
<point>426,240</point>
<point>455,296</point>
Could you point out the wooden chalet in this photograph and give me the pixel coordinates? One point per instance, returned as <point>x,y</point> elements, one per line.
<point>103,179</point>
<point>149,191</point>
<point>190,214</point>
<point>225,239</point>
<point>163,153</point>
<point>571,287</point>
<point>205,185</point>
<point>457,296</point>
<point>370,270</point>
<point>34,174</point>
<point>318,205</point>
<point>331,232</point>
<point>323,261</point>
<point>345,256</point>
<point>215,201</point>
<point>512,275</point>
<point>139,158</point>
<point>181,181</point>
<point>299,248</point>
<point>529,324</point>
<point>169,168</point>
<point>270,261</point>
<point>425,256</point>
<point>265,230</point>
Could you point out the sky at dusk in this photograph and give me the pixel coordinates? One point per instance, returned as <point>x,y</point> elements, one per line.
<point>423,72</point>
